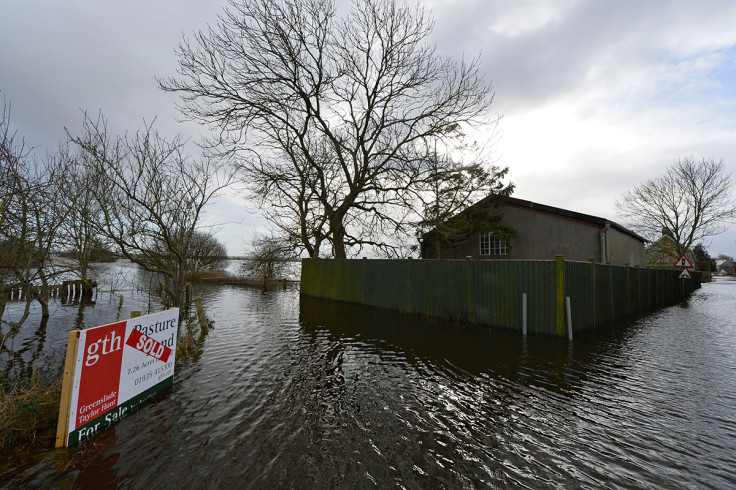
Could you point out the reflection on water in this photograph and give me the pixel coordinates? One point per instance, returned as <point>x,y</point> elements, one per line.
<point>309,393</point>
<point>41,343</point>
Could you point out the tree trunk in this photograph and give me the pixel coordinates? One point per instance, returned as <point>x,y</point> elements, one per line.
<point>314,253</point>
<point>180,287</point>
<point>15,326</point>
<point>4,292</point>
<point>338,242</point>
<point>44,306</point>
<point>43,295</point>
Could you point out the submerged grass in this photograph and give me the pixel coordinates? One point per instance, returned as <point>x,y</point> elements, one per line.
<point>29,412</point>
<point>204,275</point>
<point>187,346</point>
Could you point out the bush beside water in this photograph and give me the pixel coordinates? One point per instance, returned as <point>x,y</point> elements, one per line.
<point>29,411</point>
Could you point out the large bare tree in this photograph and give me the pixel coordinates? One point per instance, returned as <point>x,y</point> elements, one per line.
<point>692,201</point>
<point>329,114</point>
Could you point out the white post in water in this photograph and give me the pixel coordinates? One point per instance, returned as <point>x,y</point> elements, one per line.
<point>569,319</point>
<point>523,313</point>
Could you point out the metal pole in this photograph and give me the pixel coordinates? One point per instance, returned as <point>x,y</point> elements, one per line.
<point>523,313</point>
<point>569,319</point>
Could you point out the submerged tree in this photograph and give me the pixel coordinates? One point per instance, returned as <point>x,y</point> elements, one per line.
<point>206,252</point>
<point>30,218</point>
<point>202,251</point>
<point>693,200</point>
<point>83,239</point>
<point>269,259</point>
<point>329,115</point>
<point>151,195</point>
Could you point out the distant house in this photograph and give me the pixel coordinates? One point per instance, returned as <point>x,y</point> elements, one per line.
<point>663,252</point>
<point>724,266</point>
<point>543,232</point>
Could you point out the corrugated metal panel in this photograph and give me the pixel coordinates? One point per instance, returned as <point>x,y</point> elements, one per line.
<point>490,292</point>
<point>580,289</point>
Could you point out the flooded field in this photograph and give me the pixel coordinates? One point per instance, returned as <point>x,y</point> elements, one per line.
<point>291,393</point>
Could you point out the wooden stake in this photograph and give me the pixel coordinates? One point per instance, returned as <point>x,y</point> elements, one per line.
<point>70,362</point>
<point>203,327</point>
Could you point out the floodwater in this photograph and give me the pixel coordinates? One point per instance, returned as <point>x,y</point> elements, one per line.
<point>308,393</point>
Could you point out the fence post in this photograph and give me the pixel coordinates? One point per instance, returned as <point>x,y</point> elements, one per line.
<point>560,296</point>
<point>593,288</point>
<point>523,313</point>
<point>203,325</point>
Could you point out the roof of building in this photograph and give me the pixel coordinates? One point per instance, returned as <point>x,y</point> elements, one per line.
<point>545,209</point>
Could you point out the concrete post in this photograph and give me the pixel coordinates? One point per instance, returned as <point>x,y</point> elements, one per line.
<point>593,288</point>
<point>560,296</point>
<point>523,314</point>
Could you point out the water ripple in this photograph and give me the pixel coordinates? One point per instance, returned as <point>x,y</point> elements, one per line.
<point>322,395</point>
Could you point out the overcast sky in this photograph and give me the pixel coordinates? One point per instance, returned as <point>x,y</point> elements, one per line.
<point>596,96</point>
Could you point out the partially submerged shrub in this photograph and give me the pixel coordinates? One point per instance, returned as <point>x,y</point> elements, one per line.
<point>29,413</point>
<point>191,342</point>
<point>269,259</point>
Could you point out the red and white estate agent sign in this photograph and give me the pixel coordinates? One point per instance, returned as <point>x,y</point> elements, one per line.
<point>111,369</point>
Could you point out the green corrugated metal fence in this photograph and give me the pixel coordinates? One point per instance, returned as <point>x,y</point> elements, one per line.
<point>490,292</point>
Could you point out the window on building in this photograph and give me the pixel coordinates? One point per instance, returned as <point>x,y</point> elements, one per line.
<point>490,245</point>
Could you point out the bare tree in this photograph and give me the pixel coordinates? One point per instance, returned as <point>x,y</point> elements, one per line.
<point>270,258</point>
<point>83,237</point>
<point>13,166</point>
<point>329,114</point>
<point>152,196</point>
<point>202,250</point>
<point>207,252</point>
<point>693,200</point>
<point>30,217</point>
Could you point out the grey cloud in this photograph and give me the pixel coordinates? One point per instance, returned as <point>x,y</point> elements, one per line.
<point>617,38</point>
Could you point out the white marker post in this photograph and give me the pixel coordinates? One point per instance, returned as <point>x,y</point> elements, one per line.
<point>523,313</point>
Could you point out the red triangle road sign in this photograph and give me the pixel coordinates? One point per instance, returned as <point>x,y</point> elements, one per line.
<point>685,274</point>
<point>683,262</point>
